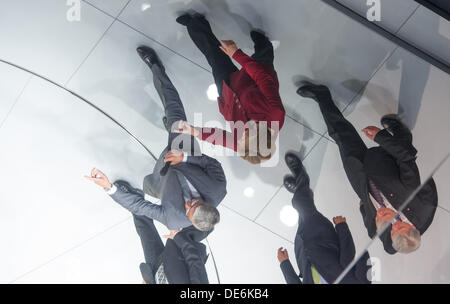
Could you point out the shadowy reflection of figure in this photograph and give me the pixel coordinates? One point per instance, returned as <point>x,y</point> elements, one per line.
<point>411,88</point>
<point>415,71</point>
<point>250,95</point>
<point>181,261</point>
<point>383,177</point>
<point>322,250</point>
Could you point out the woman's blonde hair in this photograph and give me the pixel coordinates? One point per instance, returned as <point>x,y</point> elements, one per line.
<point>250,145</point>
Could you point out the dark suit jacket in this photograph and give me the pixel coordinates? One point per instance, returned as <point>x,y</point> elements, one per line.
<point>330,251</point>
<point>203,172</point>
<point>184,258</point>
<point>392,167</point>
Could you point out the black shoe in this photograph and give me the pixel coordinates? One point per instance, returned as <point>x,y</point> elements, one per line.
<point>316,92</point>
<point>258,37</point>
<point>184,19</point>
<point>294,163</point>
<point>127,188</point>
<point>393,123</point>
<point>298,170</point>
<point>149,56</point>
<point>290,183</point>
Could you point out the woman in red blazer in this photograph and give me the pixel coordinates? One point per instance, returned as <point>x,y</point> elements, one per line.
<point>248,98</point>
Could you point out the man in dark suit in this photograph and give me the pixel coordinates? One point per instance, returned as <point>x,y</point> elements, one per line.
<point>189,184</point>
<point>181,261</point>
<point>322,250</point>
<point>383,177</point>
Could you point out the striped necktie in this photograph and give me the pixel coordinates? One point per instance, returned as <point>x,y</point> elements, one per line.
<point>379,197</point>
<point>376,194</point>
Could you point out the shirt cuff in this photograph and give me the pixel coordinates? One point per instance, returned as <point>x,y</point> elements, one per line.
<point>112,190</point>
<point>185,157</point>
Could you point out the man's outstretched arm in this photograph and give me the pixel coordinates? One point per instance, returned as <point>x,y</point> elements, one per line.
<point>130,200</point>
<point>286,267</point>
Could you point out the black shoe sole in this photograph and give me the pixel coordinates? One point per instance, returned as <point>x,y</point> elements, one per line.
<point>304,92</point>
<point>288,182</point>
<point>156,60</point>
<point>293,156</point>
<point>184,19</point>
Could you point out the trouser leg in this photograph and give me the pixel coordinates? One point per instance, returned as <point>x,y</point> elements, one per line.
<point>174,111</point>
<point>312,225</point>
<point>173,107</point>
<point>351,147</point>
<point>151,241</point>
<point>201,34</point>
<point>263,48</point>
<point>303,201</point>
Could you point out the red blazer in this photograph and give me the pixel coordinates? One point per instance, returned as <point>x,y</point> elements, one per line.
<point>253,94</point>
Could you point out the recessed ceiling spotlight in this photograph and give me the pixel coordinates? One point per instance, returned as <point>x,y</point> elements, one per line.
<point>145,6</point>
<point>249,192</point>
<point>212,92</point>
<point>289,216</point>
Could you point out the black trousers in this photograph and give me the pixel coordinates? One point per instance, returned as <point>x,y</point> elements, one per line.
<point>173,107</point>
<point>351,147</point>
<point>151,241</point>
<point>222,66</point>
<point>312,225</point>
<point>174,111</point>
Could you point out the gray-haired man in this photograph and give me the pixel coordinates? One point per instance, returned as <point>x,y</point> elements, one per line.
<point>190,185</point>
<point>383,177</point>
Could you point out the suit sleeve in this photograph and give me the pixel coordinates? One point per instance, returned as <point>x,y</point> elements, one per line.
<point>192,257</point>
<point>267,84</point>
<point>368,222</point>
<point>289,273</point>
<point>213,169</point>
<point>136,204</point>
<point>429,198</point>
<point>347,249</point>
<point>405,155</point>
<point>395,147</point>
<point>220,137</point>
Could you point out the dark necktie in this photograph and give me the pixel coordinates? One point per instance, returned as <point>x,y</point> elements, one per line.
<point>376,193</point>
<point>379,197</point>
<point>187,194</point>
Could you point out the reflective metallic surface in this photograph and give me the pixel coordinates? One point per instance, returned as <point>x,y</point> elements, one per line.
<point>60,228</point>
